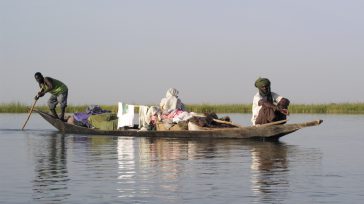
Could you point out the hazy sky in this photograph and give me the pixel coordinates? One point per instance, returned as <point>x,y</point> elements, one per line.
<point>212,51</point>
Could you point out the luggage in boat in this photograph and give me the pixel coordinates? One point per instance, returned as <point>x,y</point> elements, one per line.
<point>104,121</point>
<point>168,126</point>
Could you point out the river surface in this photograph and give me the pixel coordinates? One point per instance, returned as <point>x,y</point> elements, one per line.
<point>322,164</point>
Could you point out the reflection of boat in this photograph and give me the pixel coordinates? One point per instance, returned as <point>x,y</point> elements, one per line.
<point>268,132</point>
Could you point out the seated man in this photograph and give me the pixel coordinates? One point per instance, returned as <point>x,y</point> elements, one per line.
<point>268,106</point>
<point>171,102</point>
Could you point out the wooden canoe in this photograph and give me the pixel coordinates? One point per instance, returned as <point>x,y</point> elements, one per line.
<point>264,132</point>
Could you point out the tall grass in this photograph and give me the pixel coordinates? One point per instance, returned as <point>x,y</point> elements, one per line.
<point>337,108</point>
<point>219,108</point>
<point>332,108</point>
<point>23,108</point>
<point>13,108</point>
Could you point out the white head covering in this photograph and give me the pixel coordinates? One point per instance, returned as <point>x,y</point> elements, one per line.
<point>171,102</point>
<point>172,92</point>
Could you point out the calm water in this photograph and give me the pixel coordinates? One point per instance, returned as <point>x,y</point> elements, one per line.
<point>321,164</point>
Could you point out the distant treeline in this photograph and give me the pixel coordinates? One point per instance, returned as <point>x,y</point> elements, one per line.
<point>332,108</point>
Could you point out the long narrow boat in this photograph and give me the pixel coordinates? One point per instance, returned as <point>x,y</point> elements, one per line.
<point>264,132</point>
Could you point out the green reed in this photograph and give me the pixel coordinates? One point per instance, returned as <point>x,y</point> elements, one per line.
<point>332,108</point>
<point>13,108</point>
<point>219,108</point>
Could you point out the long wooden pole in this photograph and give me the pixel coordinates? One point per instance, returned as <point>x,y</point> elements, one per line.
<point>227,122</point>
<point>274,123</point>
<point>30,112</point>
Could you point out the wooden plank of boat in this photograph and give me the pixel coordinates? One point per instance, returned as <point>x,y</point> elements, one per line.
<point>267,132</point>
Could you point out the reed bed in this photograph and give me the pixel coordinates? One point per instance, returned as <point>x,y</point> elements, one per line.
<point>219,108</point>
<point>13,108</point>
<point>332,108</point>
<point>23,108</point>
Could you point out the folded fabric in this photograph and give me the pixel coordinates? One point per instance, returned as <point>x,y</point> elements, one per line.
<point>182,116</point>
<point>172,114</point>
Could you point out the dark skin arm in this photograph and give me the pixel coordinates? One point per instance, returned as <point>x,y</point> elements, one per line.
<point>49,83</point>
<point>268,104</point>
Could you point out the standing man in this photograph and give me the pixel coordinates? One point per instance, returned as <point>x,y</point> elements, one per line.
<point>268,106</point>
<point>58,91</point>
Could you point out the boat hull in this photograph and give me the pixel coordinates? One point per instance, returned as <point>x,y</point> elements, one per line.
<point>265,132</point>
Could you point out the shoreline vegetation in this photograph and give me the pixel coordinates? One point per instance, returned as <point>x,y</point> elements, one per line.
<point>330,108</point>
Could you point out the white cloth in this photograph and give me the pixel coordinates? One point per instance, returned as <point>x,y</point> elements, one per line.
<point>125,115</point>
<point>171,102</point>
<point>184,116</point>
<point>256,108</point>
<point>143,121</point>
<point>152,111</point>
<point>146,116</point>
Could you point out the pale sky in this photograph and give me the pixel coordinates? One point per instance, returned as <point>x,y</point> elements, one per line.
<point>212,51</point>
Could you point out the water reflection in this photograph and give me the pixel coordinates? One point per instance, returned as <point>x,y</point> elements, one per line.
<point>164,157</point>
<point>158,170</point>
<point>51,174</point>
<point>126,167</point>
<point>269,171</point>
